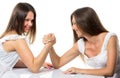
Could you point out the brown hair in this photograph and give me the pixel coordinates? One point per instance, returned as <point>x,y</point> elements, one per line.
<point>87,20</point>
<point>17,20</point>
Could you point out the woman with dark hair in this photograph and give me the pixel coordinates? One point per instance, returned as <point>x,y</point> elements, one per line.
<point>97,46</point>
<point>14,42</point>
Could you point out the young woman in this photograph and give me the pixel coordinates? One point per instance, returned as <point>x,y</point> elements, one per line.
<point>14,42</point>
<point>98,47</point>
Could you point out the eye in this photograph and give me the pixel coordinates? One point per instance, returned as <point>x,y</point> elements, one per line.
<point>26,19</point>
<point>74,23</point>
<point>32,21</point>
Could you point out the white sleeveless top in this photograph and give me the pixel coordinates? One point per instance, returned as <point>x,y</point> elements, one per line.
<point>100,60</point>
<point>8,59</point>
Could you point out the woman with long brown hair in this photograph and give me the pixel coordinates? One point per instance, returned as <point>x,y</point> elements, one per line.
<point>98,47</point>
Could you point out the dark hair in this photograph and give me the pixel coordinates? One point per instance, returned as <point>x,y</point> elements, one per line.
<point>17,20</point>
<point>87,20</point>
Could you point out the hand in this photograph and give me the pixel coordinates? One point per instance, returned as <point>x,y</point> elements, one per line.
<point>50,38</point>
<point>47,65</point>
<point>71,70</point>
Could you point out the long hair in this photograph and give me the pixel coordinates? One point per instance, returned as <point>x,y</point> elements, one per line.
<point>17,18</point>
<point>87,20</point>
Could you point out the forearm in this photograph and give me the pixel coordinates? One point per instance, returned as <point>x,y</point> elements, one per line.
<point>99,72</point>
<point>54,58</point>
<point>39,60</point>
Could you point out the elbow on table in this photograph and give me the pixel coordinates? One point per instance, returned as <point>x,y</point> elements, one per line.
<point>56,67</point>
<point>34,70</point>
<point>110,73</point>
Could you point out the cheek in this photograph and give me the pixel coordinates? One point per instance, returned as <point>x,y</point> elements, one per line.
<point>74,27</point>
<point>25,23</point>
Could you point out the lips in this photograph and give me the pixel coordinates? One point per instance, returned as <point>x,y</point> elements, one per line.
<point>27,28</point>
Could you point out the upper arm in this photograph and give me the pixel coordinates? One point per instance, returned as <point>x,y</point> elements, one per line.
<point>24,52</point>
<point>20,64</point>
<point>112,53</point>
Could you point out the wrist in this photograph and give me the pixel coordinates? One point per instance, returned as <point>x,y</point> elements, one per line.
<point>48,44</point>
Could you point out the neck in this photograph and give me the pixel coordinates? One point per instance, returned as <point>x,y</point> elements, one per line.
<point>92,39</point>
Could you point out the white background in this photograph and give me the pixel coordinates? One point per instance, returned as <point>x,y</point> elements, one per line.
<point>53,16</point>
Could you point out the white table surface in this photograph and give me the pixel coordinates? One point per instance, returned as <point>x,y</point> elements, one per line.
<point>44,73</point>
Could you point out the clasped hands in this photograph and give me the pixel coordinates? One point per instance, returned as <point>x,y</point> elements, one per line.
<point>49,38</point>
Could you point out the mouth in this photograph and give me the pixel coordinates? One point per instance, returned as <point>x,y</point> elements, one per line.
<point>27,29</point>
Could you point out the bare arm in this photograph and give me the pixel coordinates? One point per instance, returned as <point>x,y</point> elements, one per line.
<point>58,61</point>
<point>27,57</point>
<point>108,70</point>
<point>20,64</point>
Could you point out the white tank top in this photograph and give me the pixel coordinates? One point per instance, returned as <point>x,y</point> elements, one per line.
<point>100,60</point>
<point>8,59</point>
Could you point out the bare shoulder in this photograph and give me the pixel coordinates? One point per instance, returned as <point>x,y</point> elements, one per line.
<point>12,45</point>
<point>20,43</point>
<point>113,38</point>
<point>75,46</point>
<point>22,47</point>
<point>113,42</point>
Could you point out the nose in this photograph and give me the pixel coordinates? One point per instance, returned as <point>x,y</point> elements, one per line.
<point>73,27</point>
<point>30,23</point>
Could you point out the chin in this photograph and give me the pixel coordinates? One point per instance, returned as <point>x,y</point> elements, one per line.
<point>26,31</point>
<point>80,37</point>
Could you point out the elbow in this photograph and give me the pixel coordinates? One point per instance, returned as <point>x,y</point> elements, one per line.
<point>34,70</point>
<point>110,73</point>
<point>56,67</point>
<point>57,62</point>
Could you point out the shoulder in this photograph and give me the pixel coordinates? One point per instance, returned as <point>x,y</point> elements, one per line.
<point>113,40</point>
<point>81,45</point>
<point>112,36</point>
<point>16,39</point>
<point>20,39</point>
<point>10,42</point>
<point>108,36</point>
<point>81,41</point>
<point>13,37</point>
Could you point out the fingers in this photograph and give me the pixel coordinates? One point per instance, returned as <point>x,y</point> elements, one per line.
<point>48,65</point>
<point>49,38</point>
<point>70,71</point>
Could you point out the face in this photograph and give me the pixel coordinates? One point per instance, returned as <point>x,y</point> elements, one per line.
<point>28,23</point>
<point>75,28</point>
